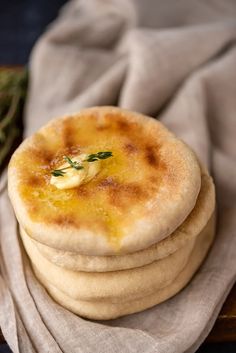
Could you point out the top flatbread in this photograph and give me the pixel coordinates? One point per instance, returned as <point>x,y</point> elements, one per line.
<point>140,196</point>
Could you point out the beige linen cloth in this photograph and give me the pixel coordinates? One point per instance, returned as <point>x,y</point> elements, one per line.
<point>174,60</point>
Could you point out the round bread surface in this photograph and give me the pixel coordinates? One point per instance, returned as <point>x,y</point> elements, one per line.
<point>139,197</point>
<point>105,310</point>
<point>187,231</point>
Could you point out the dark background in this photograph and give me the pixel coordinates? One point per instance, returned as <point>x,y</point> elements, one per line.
<point>21,23</point>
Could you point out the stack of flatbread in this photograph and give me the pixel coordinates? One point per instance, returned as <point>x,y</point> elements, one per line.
<point>127,237</point>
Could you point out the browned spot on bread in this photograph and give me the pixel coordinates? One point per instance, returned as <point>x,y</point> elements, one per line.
<point>107,182</point>
<point>42,155</point>
<point>102,127</point>
<point>32,207</point>
<point>151,155</point>
<point>153,179</point>
<point>123,125</point>
<point>130,148</point>
<point>120,194</point>
<point>68,133</point>
<point>83,191</point>
<point>72,150</point>
<point>64,220</point>
<point>34,180</point>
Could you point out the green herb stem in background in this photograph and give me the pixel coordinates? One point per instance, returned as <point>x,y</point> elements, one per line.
<point>13,86</point>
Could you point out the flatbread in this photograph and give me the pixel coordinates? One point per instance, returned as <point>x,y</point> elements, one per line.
<point>140,196</point>
<point>188,230</point>
<point>116,286</point>
<point>100,310</point>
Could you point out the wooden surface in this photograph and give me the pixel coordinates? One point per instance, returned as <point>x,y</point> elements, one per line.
<point>225,325</point>
<point>224,329</point>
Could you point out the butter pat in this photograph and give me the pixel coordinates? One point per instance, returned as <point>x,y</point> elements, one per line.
<point>73,177</point>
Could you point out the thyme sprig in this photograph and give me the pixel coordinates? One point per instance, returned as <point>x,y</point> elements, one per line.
<point>13,87</point>
<point>77,165</point>
<point>100,155</point>
<point>73,164</point>
<point>58,172</point>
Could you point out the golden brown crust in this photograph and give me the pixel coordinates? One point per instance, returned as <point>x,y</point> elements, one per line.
<point>140,196</point>
<point>186,232</point>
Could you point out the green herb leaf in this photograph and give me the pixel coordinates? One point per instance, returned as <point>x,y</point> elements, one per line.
<point>58,172</point>
<point>73,164</point>
<point>100,155</point>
